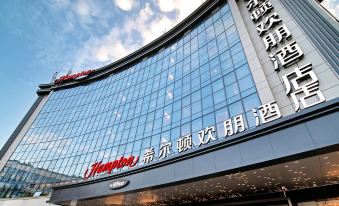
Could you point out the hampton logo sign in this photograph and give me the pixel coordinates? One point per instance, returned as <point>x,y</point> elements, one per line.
<point>79,75</point>
<point>99,168</point>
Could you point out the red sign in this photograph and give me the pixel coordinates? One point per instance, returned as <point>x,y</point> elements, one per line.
<point>98,167</point>
<point>73,76</point>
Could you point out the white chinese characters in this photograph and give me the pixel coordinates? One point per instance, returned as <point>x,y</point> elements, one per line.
<point>149,155</point>
<point>263,9</point>
<point>301,84</point>
<point>263,114</point>
<point>165,150</point>
<point>281,32</point>
<point>267,113</point>
<point>301,92</point>
<point>287,55</point>
<point>184,143</point>
<point>266,25</point>
<point>206,135</point>
<point>238,123</point>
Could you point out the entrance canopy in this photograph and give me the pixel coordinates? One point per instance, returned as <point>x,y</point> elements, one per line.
<point>317,173</point>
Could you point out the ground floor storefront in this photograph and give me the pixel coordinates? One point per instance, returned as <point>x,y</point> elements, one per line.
<point>308,181</point>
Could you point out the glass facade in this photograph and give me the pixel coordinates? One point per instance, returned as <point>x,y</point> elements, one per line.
<point>198,81</point>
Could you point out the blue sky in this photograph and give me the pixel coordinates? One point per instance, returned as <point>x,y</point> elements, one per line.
<point>38,38</point>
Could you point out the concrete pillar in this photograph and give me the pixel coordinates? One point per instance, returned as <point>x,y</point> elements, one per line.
<point>74,202</point>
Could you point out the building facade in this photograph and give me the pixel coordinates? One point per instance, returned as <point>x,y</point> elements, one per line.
<point>237,104</point>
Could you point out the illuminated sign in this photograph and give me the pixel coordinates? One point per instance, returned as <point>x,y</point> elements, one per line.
<point>117,184</point>
<point>73,76</point>
<point>98,167</point>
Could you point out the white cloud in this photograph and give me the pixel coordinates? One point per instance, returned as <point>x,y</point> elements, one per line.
<point>125,5</point>
<point>166,5</point>
<point>183,7</point>
<point>110,47</point>
<point>87,16</point>
<point>157,28</point>
<point>87,34</point>
<point>121,40</point>
<point>82,8</point>
<point>148,25</point>
<point>99,51</point>
<point>332,6</point>
<point>86,12</point>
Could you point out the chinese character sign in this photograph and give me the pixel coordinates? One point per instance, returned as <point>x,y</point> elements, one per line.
<point>267,113</point>
<point>263,114</point>
<point>302,84</point>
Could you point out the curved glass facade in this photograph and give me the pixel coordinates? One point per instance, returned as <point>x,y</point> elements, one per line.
<point>198,81</point>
